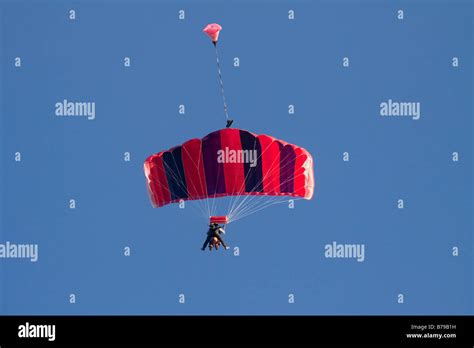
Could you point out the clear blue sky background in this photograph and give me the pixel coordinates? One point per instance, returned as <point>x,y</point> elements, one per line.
<point>282,62</point>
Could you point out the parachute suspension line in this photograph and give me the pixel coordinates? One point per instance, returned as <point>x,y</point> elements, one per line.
<point>238,209</point>
<point>237,197</point>
<point>262,203</point>
<point>214,205</point>
<point>184,188</point>
<point>206,204</point>
<point>254,198</point>
<point>219,73</point>
<point>255,201</point>
<point>242,187</point>
<point>238,202</point>
<point>264,206</point>
<point>235,203</point>
<point>258,204</point>
<point>178,181</point>
<point>231,200</point>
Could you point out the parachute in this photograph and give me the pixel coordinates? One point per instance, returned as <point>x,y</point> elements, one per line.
<point>251,171</point>
<point>229,162</point>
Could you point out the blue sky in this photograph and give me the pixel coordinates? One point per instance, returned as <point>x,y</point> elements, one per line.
<point>337,109</point>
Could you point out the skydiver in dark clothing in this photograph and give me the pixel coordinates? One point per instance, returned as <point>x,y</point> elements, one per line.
<point>215,231</point>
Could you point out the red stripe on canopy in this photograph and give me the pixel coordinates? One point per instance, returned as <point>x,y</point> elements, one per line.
<point>158,183</point>
<point>233,171</point>
<point>270,164</point>
<point>194,169</point>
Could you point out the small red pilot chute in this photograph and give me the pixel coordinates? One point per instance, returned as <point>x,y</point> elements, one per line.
<point>218,219</point>
<point>213,30</point>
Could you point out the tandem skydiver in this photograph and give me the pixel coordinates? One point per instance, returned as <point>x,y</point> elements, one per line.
<point>214,238</point>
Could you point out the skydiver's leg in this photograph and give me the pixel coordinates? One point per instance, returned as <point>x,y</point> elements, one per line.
<point>208,239</point>
<point>222,241</point>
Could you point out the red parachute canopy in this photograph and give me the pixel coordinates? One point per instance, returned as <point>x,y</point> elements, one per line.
<point>229,162</point>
